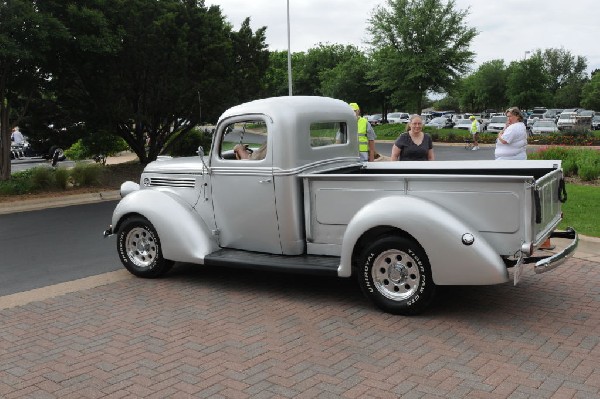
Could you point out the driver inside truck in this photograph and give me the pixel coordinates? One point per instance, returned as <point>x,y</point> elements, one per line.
<point>243,152</point>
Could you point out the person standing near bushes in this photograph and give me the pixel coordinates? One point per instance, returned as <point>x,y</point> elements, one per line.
<point>366,136</point>
<point>511,143</point>
<point>475,132</point>
<point>414,144</point>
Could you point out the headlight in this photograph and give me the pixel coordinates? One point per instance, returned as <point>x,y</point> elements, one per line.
<point>128,187</point>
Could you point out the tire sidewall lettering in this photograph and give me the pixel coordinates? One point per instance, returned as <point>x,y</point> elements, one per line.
<point>370,286</point>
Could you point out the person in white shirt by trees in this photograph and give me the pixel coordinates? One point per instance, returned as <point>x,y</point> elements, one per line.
<point>512,140</point>
<point>16,136</point>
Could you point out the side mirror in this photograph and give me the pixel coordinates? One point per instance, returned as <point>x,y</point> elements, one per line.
<point>200,151</point>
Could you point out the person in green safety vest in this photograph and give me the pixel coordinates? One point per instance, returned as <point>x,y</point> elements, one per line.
<point>366,136</point>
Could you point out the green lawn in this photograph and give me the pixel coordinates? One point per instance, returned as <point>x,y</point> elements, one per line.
<point>582,209</point>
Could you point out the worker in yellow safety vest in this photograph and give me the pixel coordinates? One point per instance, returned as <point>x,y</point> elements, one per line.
<point>366,136</point>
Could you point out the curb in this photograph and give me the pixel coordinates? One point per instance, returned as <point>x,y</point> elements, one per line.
<point>35,204</point>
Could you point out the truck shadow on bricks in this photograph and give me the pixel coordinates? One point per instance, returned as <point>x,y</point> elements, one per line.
<point>463,302</point>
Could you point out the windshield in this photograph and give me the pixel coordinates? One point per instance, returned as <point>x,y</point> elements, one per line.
<point>565,116</point>
<point>544,124</point>
<point>439,119</point>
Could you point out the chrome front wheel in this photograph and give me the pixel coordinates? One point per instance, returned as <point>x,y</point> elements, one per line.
<point>140,250</point>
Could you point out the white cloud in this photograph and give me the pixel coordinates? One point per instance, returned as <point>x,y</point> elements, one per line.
<point>507,29</point>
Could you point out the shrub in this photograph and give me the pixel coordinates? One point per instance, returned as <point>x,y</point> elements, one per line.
<point>77,152</point>
<point>19,183</point>
<point>61,177</point>
<point>91,145</point>
<point>584,163</point>
<point>42,178</point>
<point>588,165</point>
<point>86,174</point>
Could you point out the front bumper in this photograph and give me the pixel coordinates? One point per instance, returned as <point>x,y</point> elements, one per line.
<point>108,232</point>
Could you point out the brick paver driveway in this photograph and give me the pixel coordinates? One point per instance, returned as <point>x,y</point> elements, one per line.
<point>204,332</point>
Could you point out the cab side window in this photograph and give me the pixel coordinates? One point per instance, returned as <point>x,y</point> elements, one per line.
<point>246,140</point>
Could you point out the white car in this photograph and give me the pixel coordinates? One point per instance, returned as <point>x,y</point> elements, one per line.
<point>439,122</point>
<point>544,126</point>
<point>497,123</point>
<point>463,124</point>
<point>566,120</point>
<point>397,117</point>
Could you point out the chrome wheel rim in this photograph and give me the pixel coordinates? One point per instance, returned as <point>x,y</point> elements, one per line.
<point>395,274</point>
<point>141,247</point>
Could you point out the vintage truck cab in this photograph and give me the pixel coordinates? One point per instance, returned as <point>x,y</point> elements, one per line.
<point>300,200</point>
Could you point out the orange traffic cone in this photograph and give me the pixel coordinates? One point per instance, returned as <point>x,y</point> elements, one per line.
<point>547,245</point>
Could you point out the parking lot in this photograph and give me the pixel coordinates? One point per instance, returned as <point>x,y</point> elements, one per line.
<point>207,332</point>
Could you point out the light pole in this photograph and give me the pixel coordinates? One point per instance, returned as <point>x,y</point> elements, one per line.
<point>525,56</point>
<point>289,51</point>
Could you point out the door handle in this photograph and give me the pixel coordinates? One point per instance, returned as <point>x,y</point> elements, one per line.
<point>265,181</point>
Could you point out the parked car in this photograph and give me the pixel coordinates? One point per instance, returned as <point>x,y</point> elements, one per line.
<point>440,122</point>
<point>497,123</point>
<point>532,118</point>
<point>463,124</point>
<point>552,113</point>
<point>566,120</point>
<point>398,117</point>
<point>43,149</point>
<point>375,119</point>
<point>596,122</point>
<point>544,126</point>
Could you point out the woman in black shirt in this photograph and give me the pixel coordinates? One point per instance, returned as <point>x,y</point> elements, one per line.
<point>413,145</point>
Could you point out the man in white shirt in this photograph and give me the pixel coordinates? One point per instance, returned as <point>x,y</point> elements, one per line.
<point>17,137</point>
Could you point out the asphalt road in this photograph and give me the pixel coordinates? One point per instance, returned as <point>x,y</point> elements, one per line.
<point>50,246</point>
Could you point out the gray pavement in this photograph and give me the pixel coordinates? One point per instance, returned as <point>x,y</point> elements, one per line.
<point>207,332</point>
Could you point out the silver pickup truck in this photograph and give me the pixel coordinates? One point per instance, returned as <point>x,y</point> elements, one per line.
<point>303,202</point>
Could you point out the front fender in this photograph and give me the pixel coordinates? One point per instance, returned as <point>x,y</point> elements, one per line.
<point>440,234</point>
<point>184,236</point>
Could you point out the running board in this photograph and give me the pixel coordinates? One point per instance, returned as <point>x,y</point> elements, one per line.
<point>303,264</point>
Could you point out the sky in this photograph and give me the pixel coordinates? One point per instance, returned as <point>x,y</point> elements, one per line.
<point>508,30</point>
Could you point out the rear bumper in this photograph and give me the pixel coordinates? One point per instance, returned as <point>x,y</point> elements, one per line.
<point>547,263</point>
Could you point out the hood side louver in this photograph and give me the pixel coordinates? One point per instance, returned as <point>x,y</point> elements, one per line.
<point>172,182</point>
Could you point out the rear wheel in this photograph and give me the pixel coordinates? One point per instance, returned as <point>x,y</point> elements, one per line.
<point>139,249</point>
<point>396,275</point>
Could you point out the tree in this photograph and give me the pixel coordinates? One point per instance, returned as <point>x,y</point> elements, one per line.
<point>347,80</point>
<point>149,71</point>
<point>527,83</point>
<point>251,59</point>
<point>490,85</point>
<point>308,67</point>
<point>562,69</point>
<point>24,41</point>
<point>420,46</point>
<point>590,94</point>
<point>275,80</point>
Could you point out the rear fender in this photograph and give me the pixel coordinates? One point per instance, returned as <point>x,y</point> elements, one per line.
<point>184,236</point>
<point>438,231</point>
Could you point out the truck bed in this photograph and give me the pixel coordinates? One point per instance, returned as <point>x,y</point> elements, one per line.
<point>508,202</point>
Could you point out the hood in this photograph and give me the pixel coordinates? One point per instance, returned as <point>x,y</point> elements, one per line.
<point>184,165</point>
